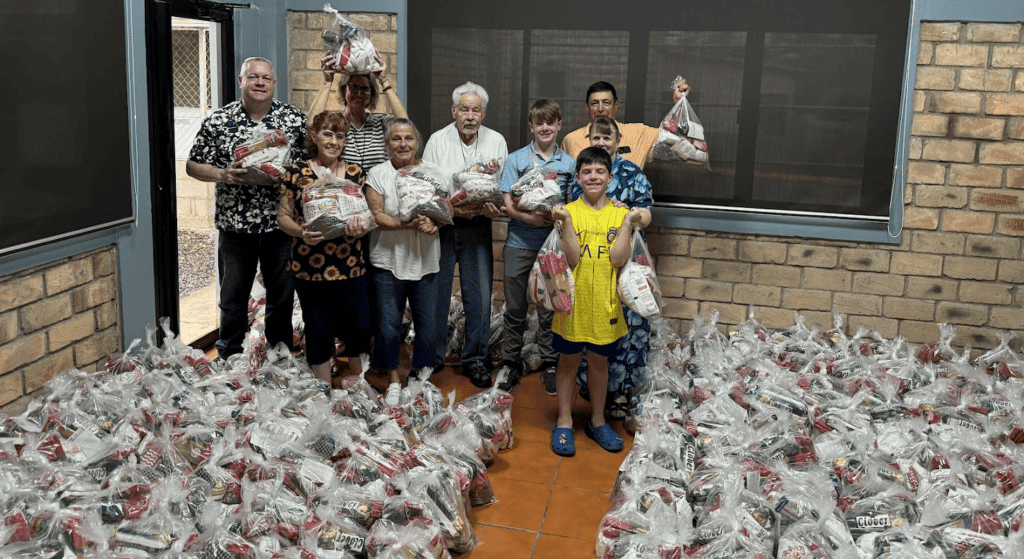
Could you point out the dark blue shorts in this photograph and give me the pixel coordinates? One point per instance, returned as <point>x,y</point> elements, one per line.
<point>562,345</point>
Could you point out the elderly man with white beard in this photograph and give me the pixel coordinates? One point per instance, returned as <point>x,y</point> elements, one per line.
<point>467,242</point>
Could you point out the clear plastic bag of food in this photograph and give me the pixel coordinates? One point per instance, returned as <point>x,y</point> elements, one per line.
<point>264,156</point>
<point>559,284</point>
<point>681,135</point>
<point>348,42</point>
<point>422,191</point>
<point>477,184</point>
<point>330,204</point>
<point>638,285</point>
<point>537,190</point>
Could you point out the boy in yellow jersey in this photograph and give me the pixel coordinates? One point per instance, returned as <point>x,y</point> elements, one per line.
<point>595,236</point>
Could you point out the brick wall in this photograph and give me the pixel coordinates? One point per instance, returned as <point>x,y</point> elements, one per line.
<point>306,48</point>
<point>960,259</point>
<point>195,200</point>
<point>56,317</point>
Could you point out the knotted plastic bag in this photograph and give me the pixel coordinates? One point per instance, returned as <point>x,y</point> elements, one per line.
<point>681,135</point>
<point>353,52</point>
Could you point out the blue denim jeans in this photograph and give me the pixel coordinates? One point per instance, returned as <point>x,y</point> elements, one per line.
<point>468,244</point>
<point>237,256</point>
<point>392,293</point>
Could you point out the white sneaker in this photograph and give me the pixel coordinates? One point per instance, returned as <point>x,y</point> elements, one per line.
<point>392,395</point>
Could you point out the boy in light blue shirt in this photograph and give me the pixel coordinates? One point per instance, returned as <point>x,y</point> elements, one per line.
<point>527,231</point>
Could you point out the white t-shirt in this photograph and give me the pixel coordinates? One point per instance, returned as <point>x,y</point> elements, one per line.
<point>446,150</point>
<point>407,253</point>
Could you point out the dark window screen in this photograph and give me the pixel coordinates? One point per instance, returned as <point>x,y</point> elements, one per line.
<point>66,163</point>
<point>799,98</point>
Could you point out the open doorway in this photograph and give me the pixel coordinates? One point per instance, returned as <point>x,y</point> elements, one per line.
<point>195,62</point>
<point>190,54</point>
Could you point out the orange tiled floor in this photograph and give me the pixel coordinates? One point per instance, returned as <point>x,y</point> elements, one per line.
<point>548,507</point>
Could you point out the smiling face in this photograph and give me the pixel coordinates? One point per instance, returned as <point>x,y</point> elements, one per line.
<point>594,178</point>
<point>403,145</point>
<point>329,145</point>
<point>469,114</point>
<point>357,91</point>
<point>257,82</point>
<point>545,132</point>
<point>608,141</point>
<point>602,103</point>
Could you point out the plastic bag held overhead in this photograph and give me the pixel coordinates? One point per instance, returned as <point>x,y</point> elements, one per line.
<point>353,52</point>
<point>681,135</point>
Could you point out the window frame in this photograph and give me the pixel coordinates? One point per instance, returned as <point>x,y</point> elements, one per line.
<point>857,228</point>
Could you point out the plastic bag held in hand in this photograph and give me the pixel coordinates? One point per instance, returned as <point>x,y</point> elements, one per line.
<point>477,184</point>
<point>264,156</point>
<point>537,190</point>
<point>638,286</point>
<point>422,191</point>
<point>559,283</point>
<point>353,52</point>
<point>681,135</point>
<point>330,203</point>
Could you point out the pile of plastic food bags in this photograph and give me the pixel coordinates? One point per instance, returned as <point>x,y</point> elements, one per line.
<point>806,444</point>
<point>166,454</point>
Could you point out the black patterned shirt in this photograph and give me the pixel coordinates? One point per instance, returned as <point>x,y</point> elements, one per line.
<point>336,259</point>
<point>246,208</point>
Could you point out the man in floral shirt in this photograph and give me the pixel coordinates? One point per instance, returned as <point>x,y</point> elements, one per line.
<point>246,214</point>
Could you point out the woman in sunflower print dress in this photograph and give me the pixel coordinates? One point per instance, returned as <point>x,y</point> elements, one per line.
<point>627,370</point>
<point>330,275</point>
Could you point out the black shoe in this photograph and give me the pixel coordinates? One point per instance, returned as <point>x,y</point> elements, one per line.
<point>511,373</point>
<point>478,374</point>
<point>547,376</point>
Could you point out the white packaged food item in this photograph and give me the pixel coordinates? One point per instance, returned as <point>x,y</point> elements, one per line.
<point>352,49</point>
<point>681,135</point>
<point>638,285</point>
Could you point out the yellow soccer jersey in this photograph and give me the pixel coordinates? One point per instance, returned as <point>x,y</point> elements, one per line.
<point>596,313</point>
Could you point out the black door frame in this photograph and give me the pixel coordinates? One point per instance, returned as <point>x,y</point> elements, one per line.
<point>161,133</point>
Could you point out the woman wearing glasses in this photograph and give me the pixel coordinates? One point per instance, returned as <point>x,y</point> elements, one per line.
<point>358,93</point>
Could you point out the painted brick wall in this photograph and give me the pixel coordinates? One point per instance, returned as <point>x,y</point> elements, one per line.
<point>960,259</point>
<point>57,317</point>
<point>306,48</point>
